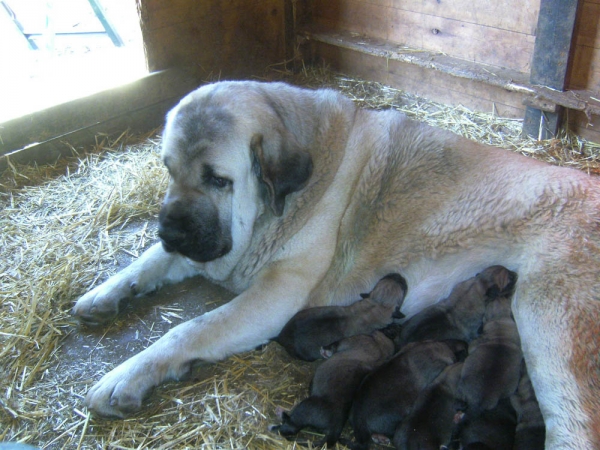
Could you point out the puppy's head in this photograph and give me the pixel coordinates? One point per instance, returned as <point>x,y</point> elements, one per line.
<point>497,281</point>
<point>230,159</point>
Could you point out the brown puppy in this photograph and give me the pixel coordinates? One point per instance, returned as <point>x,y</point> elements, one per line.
<point>431,423</point>
<point>459,316</point>
<point>334,385</point>
<point>493,368</point>
<point>387,395</point>
<point>531,431</point>
<point>310,329</point>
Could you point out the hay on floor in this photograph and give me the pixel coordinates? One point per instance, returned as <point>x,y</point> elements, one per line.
<point>67,226</point>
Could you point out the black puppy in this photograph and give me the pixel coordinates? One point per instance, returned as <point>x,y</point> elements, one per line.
<point>459,316</point>
<point>387,395</point>
<point>310,329</point>
<point>493,368</point>
<point>431,423</point>
<point>531,431</point>
<point>334,385</point>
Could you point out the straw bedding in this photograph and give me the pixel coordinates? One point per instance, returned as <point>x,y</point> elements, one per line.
<point>67,226</point>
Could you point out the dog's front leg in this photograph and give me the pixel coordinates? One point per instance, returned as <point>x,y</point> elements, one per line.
<point>247,321</point>
<point>151,270</point>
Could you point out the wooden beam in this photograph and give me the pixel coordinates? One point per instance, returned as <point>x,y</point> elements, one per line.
<point>554,38</point>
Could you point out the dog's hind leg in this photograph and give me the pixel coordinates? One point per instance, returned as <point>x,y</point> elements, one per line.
<point>557,311</point>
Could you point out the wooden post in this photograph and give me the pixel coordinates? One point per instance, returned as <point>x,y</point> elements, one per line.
<point>550,63</point>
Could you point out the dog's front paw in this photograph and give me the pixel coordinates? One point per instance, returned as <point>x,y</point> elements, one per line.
<point>120,392</point>
<point>101,304</point>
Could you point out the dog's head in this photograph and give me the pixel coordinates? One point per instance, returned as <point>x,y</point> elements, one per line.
<point>231,158</point>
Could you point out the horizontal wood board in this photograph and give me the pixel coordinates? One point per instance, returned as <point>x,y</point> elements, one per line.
<point>429,30</point>
<point>420,81</point>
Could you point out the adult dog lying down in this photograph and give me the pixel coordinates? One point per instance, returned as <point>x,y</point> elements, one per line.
<point>296,198</point>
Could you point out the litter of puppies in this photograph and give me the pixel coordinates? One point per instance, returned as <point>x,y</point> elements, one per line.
<point>456,378</point>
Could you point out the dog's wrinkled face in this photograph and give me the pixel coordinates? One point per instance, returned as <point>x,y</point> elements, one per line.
<point>212,193</point>
<point>230,159</point>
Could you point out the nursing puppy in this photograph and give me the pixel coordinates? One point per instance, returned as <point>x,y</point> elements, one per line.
<point>295,198</point>
<point>387,395</point>
<point>493,368</point>
<point>460,315</point>
<point>334,384</point>
<point>310,329</point>
<point>531,431</point>
<point>493,429</point>
<point>432,420</point>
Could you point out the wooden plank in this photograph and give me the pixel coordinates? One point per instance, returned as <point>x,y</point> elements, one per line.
<point>464,40</point>
<point>468,41</point>
<point>423,82</point>
<point>90,113</point>
<point>587,31</point>
<point>503,78</point>
<point>556,24</point>
<point>233,38</point>
<point>441,87</point>
<point>586,127</point>
<point>584,72</point>
<point>512,15</point>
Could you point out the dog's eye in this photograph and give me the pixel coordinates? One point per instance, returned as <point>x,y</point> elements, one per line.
<point>219,182</point>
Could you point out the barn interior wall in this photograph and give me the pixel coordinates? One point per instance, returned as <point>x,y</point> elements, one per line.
<point>214,38</point>
<point>585,66</point>
<point>496,33</point>
<point>493,34</point>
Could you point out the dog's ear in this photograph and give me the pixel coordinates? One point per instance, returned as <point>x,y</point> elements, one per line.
<point>282,166</point>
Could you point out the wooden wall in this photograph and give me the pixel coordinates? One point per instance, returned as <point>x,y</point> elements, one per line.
<point>217,38</point>
<point>498,34</point>
<point>585,66</point>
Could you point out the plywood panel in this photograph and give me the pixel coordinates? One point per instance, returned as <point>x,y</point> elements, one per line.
<point>470,41</point>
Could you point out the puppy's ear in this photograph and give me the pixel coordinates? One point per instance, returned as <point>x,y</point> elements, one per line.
<point>282,167</point>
